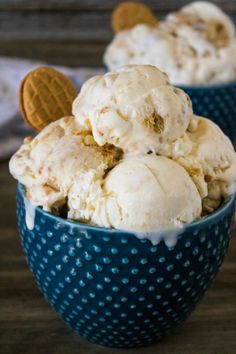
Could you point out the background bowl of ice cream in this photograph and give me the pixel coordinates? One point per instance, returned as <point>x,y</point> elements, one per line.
<point>195,47</point>
<point>216,102</point>
<point>114,288</point>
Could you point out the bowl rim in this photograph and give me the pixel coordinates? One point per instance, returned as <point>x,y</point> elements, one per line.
<point>216,86</point>
<point>69,222</point>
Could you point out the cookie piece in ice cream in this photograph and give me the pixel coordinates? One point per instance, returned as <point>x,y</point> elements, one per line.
<point>51,163</point>
<point>209,157</point>
<point>134,108</point>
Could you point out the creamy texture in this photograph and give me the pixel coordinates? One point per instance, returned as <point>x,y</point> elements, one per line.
<point>196,45</point>
<point>29,214</point>
<point>134,108</point>
<point>169,236</point>
<point>134,158</point>
<point>209,158</point>
<point>140,193</point>
<point>51,163</point>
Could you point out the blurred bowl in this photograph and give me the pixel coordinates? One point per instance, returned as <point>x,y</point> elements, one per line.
<point>118,290</point>
<point>216,102</point>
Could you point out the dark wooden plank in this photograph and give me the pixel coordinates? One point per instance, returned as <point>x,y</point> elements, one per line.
<point>70,25</point>
<point>163,5</point>
<point>54,26</point>
<point>28,324</point>
<point>69,53</point>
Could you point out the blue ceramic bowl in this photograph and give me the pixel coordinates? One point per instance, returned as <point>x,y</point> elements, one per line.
<point>115,289</point>
<point>218,103</point>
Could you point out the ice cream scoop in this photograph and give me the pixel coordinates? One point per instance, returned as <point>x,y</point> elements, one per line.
<point>49,164</point>
<point>208,20</point>
<point>147,193</point>
<point>209,157</point>
<point>134,108</point>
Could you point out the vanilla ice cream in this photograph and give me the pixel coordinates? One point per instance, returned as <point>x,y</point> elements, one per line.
<point>51,163</point>
<point>134,157</point>
<point>141,194</point>
<point>196,45</point>
<point>134,108</point>
<point>209,158</point>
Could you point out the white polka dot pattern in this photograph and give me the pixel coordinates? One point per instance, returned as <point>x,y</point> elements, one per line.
<point>115,289</point>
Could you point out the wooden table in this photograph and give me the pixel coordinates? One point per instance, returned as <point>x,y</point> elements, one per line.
<point>29,325</point>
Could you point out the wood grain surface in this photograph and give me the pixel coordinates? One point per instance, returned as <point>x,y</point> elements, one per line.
<point>68,32</point>
<point>29,326</point>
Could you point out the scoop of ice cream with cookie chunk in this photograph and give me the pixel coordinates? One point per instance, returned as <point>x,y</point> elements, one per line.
<point>135,108</point>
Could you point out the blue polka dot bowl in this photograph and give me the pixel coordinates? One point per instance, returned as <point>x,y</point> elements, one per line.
<point>218,103</point>
<point>118,290</point>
